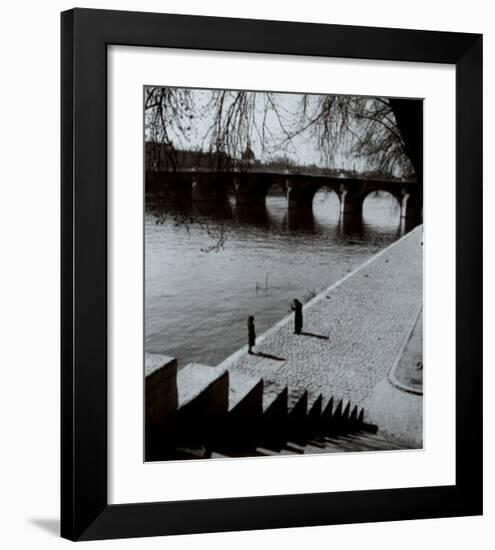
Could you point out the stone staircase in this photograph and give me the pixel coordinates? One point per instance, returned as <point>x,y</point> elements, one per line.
<point>208,412</point>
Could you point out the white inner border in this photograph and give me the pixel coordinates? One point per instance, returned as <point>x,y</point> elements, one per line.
<point>131,480</point>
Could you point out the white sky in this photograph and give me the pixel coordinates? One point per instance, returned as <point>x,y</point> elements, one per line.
<point>302,149</point>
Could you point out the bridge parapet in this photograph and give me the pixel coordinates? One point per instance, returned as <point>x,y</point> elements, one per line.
<point>251,187</point>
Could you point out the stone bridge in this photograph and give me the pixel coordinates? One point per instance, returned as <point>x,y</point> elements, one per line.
<point>251,188</point>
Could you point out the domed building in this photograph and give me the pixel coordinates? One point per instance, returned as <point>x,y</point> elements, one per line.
<point>248,156</point>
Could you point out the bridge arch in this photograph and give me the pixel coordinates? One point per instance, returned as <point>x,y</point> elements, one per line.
<point>409,200</point>
<point>326,204</point>
<point>300,194</point>
<point>275,189</point>
<point>252,188</point>
<point>382,207</point>
<point>210,187</point>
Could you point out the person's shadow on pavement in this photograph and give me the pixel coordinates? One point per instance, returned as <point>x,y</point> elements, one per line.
<point>312,334</point>
<point>268,356</point>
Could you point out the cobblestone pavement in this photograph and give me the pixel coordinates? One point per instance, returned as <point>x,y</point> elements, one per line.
<point>352,332</point>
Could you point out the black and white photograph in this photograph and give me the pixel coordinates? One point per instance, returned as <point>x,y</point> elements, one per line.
<point>283,268</point>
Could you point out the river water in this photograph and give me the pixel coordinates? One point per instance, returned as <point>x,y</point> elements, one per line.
<point>208,269</point>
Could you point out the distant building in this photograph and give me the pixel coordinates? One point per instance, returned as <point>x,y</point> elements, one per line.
<point>162,156</point>
<point>248,156</point>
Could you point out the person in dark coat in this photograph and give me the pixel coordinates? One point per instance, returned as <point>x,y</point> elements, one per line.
<point>251,334</point>
<point>298,316</point>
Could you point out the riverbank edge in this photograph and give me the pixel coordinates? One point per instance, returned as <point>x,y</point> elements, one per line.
<point>231,360</point>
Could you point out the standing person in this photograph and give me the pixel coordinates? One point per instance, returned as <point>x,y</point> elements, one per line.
<point>251,335</point>
<point>298,316</point>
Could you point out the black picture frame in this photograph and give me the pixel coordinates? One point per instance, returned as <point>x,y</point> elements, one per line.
<point>85,512</point>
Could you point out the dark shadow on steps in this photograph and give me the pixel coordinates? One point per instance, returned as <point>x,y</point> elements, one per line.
<point>268,356</point>
<point>312,334</point>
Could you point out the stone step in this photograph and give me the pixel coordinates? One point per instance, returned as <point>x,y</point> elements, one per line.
<point>313,446</point>
<point>203,399</point>
<point>295,447</point>
<point>316,449</point>
<point>381,442</point>
<point>190,453</point>
<point>316,442</point>
<point>298,409</point>
<point>372,436</point>
<point>275,405</point>
<point>239,429</point>
<point>245,395</point>
<point>203,387</point>
<point>202,405</point>
<point>267,452</point>
<point>328,409</point>
<point>161,396</point>
<point>342,443</point>
<point>353,444</point>
<point>315,410</point>
<point>274,420</point>
<point>218,455</point>
<point>153,362</point>
<point>338,410</point>
<point>365,446</point>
